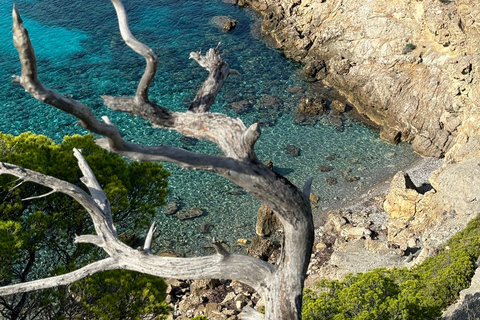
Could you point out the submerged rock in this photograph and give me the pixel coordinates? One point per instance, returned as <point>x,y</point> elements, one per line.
<point>324,168</point>
<point>241,107</point>
<point>189,141</point>
<point>224,23</point>
<point>331,157</point>
<point>205,228</point>
<point>292,150</point>
<point>267,101</point>
<point>331,181</point>
<point>171,208</point>
<point>312,106</point>
<point>185,214</point>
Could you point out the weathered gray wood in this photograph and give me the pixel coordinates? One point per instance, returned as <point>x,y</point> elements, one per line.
<point>147,247</point>
<point>281,285</point>
<point>246,269</point>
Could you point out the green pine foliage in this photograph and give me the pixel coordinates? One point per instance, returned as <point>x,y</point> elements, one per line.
<point>400,294</point>
<point>122,295</point>
<point>37,236</point>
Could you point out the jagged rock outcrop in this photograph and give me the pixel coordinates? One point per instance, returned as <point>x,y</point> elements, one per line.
<point>410,66</point>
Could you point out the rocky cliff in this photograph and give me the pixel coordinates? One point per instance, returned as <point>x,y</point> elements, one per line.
<point>411,66</point>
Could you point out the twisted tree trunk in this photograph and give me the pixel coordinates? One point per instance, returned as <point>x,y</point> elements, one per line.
<point>280,285</point>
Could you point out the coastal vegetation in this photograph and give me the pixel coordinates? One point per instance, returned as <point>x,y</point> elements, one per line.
<point>37,232</point>
<point>422,292</point>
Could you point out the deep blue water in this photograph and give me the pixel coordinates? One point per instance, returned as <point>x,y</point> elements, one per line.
<point>80,54</point>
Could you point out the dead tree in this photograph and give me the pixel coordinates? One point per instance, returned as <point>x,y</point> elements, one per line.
<point>279,285</point>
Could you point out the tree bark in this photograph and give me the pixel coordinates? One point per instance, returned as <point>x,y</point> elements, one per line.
<point>279,285</point>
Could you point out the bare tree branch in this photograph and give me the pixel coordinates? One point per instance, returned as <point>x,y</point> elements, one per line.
<point>148,240</point>
<point>281,286</point>
<point>61,280</point>
<point>254,273</point>
<point>40,196</point>
<point>218,72</point>
<point>141,49</point>
<point>248,313</point>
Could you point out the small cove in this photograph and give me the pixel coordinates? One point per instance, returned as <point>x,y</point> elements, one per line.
<point>81,55</point>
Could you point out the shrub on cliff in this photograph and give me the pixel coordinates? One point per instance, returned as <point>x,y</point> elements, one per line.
<point>420,293</point>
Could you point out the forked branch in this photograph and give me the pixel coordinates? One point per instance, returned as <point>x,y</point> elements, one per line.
<point>249,270</point>
<point>281,286</point>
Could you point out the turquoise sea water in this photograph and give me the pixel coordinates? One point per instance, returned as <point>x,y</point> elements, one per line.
<point>80,54</point>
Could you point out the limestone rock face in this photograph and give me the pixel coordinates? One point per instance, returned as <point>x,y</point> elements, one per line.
<point>402,198</point>
<point>410,66</point>
<point>459,186</point>
<point>403,205</point>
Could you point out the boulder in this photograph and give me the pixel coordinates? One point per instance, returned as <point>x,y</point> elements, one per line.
<point>324,168</point>
<point>331,181</point>
<point>188,141</point>
<point>312,106</point>
<point>171,208</point>
<point>338,105</point>
<point>267,221</point>
<point>402,197</point>
<point>191,213</point>
<point>269,102</point>
<point>335,221</point>
<point>241,107</point>
<point>292,150</point>
<point>224,23</point>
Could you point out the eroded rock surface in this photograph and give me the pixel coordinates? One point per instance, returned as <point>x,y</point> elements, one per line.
<point>411,66</point>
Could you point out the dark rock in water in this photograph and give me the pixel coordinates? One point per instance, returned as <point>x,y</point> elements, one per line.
<point>171,208</point>
<point>325,168</point>
<point>345,171</point>
<point>331,181</point>
<point>224,23</point>
<point>269,164</point>
<point>241,107</point>
<point>267,101</point>
<point>336,120</point>
<point>292,150</point>
<point>352,178</point>
<point>295,89</point>
<point>205,228</point>
<point>331,157</point>
<point>236,192</point>
<point>266,123</point>
<point>312,106</point>
<point>185,214</point>
<point>188,141</point>
<point>302,119</point>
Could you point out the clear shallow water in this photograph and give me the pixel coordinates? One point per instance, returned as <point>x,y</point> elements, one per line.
<point>80,54</point>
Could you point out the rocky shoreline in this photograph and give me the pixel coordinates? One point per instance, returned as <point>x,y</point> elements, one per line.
<point>410,66</point>
<point>413,69</point>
